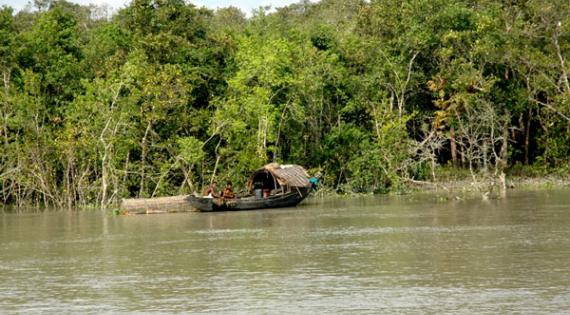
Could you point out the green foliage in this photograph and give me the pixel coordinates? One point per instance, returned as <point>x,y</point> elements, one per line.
<point>163,97</point>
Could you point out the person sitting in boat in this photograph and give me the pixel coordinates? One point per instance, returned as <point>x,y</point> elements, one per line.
<point>228,192</point>
<point>211,192</point>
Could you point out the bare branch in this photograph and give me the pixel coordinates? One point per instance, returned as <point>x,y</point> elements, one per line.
<point>551,108</point>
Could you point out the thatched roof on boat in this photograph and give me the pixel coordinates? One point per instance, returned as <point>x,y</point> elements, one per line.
<point>285,175</point>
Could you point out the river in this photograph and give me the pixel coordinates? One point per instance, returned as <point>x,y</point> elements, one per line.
<point>415,254</point>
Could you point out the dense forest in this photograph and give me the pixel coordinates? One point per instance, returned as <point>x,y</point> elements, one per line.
<point>162,96</point>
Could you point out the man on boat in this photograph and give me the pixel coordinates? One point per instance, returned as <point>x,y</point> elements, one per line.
<point>210,191</point>
<point>228,192</point>
<point>314,181</point>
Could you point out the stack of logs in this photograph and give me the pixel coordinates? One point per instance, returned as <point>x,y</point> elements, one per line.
<point>156,205</point>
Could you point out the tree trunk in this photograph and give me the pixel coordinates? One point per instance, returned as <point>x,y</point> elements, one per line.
<point>564,76</point>
<point>6,78</point>
<point>217,162</point>
<point>69,180</point>
<point>4,131</point>
<point>104,177</point>
<point>462,153</point>
<point>453,146</point>
<point>376,122</point>
<point>126,172</point>
<point>143,158</point>
<point>504,149</point>
<point>485,149</point>
<point>527,138</point>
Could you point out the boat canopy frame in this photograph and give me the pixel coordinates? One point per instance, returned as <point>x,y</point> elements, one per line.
<point>282,176</point>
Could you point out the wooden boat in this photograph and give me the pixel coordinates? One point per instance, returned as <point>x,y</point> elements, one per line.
<point>272,186</point>
<point>288,199</point>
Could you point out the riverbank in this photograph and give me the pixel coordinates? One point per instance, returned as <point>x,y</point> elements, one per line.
<point>452,190</point>
<point>478,185</point>
<point>461,184</point>
<point>449,184</point>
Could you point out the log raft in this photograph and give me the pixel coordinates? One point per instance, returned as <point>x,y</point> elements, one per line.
<point>157,205</point>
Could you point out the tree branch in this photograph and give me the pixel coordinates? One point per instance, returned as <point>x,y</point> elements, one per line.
<point>551,108</point>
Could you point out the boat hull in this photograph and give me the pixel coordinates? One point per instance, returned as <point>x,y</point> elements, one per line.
<point>290,199</point>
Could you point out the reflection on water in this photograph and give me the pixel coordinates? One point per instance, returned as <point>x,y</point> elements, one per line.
<point>389,255</point>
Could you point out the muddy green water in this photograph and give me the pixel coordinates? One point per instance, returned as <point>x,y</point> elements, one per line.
<point>379,255</point>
